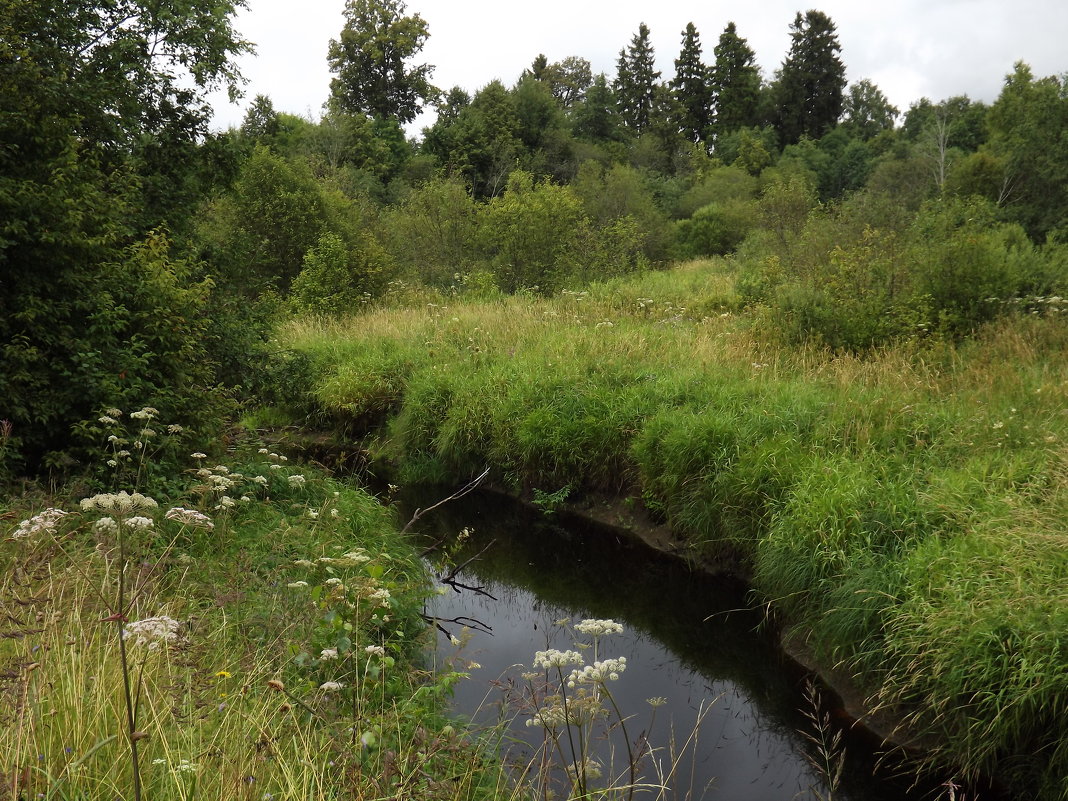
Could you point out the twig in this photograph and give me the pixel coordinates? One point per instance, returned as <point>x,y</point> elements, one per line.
<point>471,486</point>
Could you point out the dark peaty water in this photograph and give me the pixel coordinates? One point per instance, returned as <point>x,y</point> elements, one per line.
<point>691,639</point>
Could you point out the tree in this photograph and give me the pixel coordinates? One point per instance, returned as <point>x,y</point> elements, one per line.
<point>1029,132</point>
<point>734,83</point>
<point>867,112</point>
<point>636,78</point>
<point>569,79</point>
<point>811,81</point>
<point>690,87</point>
<point>261,120</point>
<point>597,118</point>
<point>94,97</point>
<point>369,61</point>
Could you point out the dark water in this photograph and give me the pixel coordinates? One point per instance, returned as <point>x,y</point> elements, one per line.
<point>692,639</point>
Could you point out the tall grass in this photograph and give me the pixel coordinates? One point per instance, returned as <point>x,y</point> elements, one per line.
<point>245,700</point>
<point>905,507</point>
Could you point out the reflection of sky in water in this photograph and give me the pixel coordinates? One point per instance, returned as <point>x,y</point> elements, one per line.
<point>741,758</point>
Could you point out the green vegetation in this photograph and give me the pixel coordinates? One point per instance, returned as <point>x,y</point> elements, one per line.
<point>905,509</point>
<point>262,637</point>
<point>861,400</point>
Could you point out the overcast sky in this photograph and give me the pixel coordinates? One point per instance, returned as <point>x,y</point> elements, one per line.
<point>909,48</point>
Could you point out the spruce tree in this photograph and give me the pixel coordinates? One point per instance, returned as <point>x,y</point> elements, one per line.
<point>735,84</point>
<point>690,87</point>
<point>636,79</point>
<point>809,91</point>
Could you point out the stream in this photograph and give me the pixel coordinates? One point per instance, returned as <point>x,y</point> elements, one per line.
<point>734,705</point>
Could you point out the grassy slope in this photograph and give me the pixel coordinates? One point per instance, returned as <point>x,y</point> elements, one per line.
<point>250,614</point>
<point>909,509</point>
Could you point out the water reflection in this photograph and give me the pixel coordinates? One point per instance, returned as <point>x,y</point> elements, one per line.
<point>688,637</point>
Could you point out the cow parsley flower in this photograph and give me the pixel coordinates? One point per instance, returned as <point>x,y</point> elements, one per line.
<point>297,480</point>
<point>139,523</point>
<point>328,653</point>
<point>121,503</point>
<point>147,413</point>
<point>556,658</point>
<point>190,517</point>
<point>592,627</point>
<point>42,523</point>
<point>153,631</point>
<point>331,686</point>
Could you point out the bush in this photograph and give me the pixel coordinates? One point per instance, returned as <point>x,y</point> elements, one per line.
<point>714,230</point>
<point>338,278</point>
<point>529,232</point>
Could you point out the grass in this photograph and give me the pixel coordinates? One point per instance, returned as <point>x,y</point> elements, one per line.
<point>238,704</point>
<point>906,508</point>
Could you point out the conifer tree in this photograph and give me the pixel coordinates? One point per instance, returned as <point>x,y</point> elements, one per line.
<point>690,87</point>
<point>811,82</point>
<point>636,79</point>
<point>735,84</point>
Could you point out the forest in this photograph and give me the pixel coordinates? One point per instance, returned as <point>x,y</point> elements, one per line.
<point>558,278</point>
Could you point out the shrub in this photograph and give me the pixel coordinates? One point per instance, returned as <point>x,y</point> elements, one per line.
<point>529,232</point>
<point>338,278</point>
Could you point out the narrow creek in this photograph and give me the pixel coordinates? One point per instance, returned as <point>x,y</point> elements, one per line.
<point>689,638</point>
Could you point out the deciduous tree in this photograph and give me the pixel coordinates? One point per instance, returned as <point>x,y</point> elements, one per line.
<point>371,58</point>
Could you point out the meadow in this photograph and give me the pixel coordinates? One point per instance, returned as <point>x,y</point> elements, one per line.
<point>900,510</point>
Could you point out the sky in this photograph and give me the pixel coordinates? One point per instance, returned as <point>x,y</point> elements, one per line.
<point>909,48</point>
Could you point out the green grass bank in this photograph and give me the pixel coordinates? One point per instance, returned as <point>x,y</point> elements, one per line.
<point>273,645</point>
<point>906,510</point>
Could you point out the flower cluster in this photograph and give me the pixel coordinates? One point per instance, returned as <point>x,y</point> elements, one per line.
<point>189,517</point>
<point>118,503</point>
<point>592,627</point>
<point>555,658</point>
<point>598,673</point>
<point>43,523</point>
<point>153,631</point>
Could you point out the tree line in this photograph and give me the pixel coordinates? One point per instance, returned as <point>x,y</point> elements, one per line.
<point>144,258</point>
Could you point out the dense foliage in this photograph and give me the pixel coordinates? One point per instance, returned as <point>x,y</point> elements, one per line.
<point>845,229</point>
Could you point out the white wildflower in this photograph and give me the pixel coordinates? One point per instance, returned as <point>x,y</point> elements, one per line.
<point>190,517</point>
<point>198,455</point>
<point>264,451</point>
<point>328,653</point>
<point>275,466</point>
<point>332,581</point>
<point>113,412</point>
<point>598,628</point>
<point>598,672</point>
<point>297,584</point>
<point>153,631</point>
<point>105,525</point>
<point>375,650</point>
<point>260,480</point>
<point>112,463</point>
<point>42,523</point>
<point>331,686</point>
<point>108,420</point>
<point>556,658</point>
<point>147,413</point>
<point>304,563</point>
<point>122,503</point>
<point>381,595</point>
<point>148,433</point>
<point>139,523</point>
<point>297,480</point>
<point>174,428</point>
